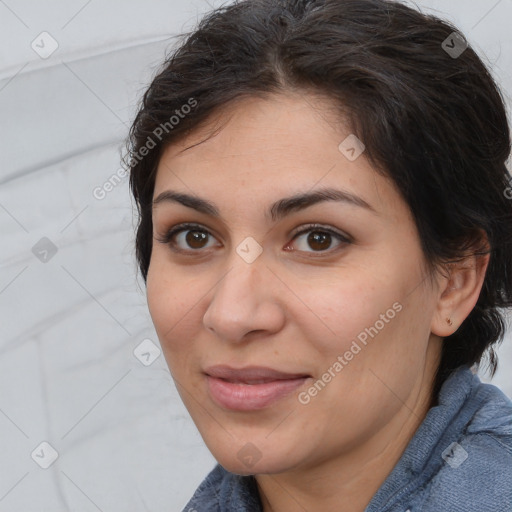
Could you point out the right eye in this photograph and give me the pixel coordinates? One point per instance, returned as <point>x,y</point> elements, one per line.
<point>186,238</point>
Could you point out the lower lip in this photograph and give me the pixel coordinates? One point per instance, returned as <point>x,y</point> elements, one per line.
<point>250,397</point>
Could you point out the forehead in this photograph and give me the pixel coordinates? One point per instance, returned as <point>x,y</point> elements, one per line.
<point>255,131</point>
<point>282,144</point>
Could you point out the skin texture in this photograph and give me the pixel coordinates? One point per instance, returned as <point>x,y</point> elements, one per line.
<point>297,308</point>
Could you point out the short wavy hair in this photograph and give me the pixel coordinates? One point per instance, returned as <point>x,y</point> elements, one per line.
<point>432,120</point>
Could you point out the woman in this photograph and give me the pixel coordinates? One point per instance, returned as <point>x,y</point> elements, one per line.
<point>326,243</point>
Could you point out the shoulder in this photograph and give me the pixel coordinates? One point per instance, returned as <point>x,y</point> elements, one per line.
<point>222,491</point>
<point>477,463</point>
<point>208,491</point>
<point>493,415</point>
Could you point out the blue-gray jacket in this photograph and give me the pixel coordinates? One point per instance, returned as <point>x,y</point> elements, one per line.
<point>459,460</point>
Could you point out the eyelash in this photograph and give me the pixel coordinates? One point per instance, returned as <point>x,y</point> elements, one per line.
<point>168,236</point>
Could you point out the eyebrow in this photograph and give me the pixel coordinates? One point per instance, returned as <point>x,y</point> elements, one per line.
<point>278,210</point>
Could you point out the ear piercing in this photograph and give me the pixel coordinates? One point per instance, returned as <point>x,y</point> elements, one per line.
<point>449,321</point>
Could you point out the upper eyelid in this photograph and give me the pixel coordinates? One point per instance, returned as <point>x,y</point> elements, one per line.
<point>320,227</point>
<point>306,227</point>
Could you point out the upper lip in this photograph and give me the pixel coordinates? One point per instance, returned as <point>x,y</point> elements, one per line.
<point>250,374</point>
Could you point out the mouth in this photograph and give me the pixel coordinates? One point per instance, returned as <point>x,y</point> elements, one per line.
<point>250,388</point>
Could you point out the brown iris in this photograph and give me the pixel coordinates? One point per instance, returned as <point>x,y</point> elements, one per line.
<point>196,237</point>
<point>317,239</point>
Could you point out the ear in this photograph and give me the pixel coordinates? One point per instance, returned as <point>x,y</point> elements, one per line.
<point>459,289</point>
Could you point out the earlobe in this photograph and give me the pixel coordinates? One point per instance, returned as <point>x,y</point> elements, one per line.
<point>458,293</point>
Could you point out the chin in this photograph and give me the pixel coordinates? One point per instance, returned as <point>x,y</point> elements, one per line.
<point>249,460</point>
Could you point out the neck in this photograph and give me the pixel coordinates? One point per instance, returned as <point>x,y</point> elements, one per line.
<point>348,480</point>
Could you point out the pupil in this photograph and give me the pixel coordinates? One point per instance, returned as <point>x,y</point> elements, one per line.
<point>316,238</point>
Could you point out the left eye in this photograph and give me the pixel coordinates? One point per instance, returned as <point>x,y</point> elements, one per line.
<point>319,239</point>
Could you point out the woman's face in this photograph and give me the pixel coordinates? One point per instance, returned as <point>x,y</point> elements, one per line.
<point>321,335</point>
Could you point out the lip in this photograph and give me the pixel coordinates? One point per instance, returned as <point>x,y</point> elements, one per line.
<point>250,388</point>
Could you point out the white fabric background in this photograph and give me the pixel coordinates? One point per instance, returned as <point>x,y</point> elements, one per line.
<point>68,328</point>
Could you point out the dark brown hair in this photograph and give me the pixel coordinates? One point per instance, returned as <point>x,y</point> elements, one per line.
<point>432,120</point>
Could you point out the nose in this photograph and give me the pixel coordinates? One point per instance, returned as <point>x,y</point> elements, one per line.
<point>245,301</point>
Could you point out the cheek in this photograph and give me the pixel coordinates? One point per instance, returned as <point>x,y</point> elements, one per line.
<point>340,311</point>
<point>176,327</point>
<point>171,305</point>
<point>375,316</point>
